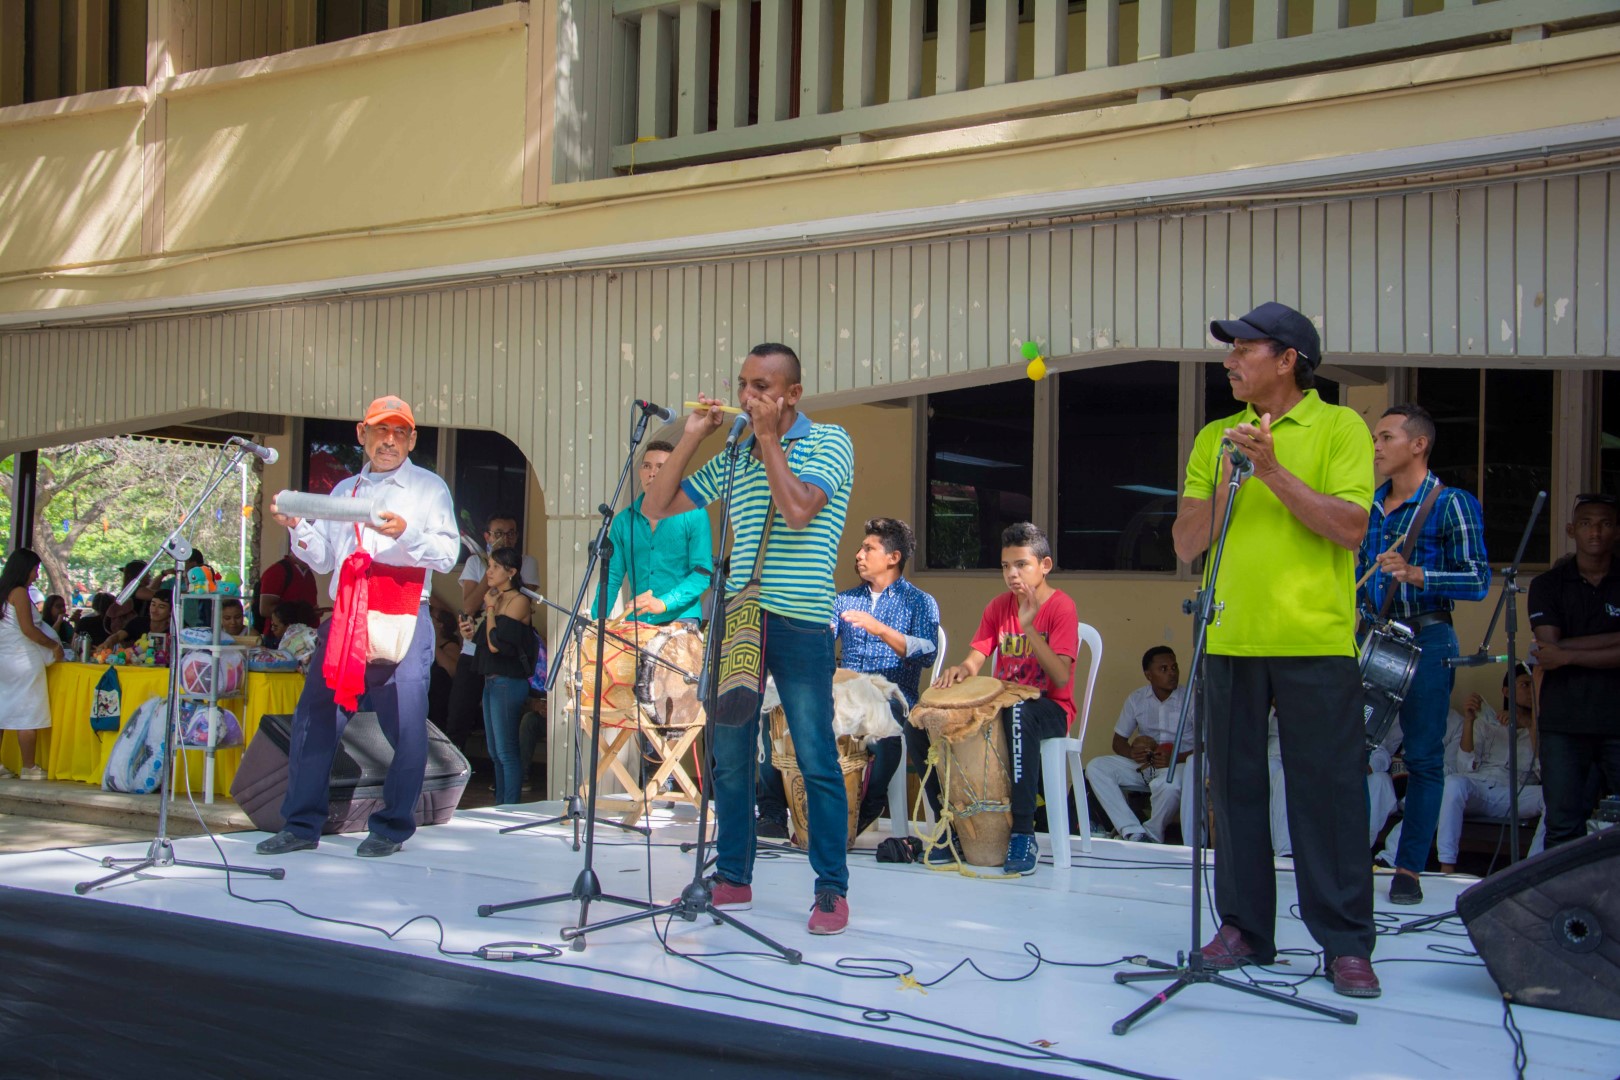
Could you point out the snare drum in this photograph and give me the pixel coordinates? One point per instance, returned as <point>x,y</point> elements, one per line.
<point>1389,661</point>
<point>963,722</point>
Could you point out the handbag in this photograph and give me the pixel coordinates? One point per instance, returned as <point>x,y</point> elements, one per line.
<point>742,650</point>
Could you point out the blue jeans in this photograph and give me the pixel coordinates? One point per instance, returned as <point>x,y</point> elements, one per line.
<point>799,656</point>
<point>504,696</point>
<point>1423,731</point>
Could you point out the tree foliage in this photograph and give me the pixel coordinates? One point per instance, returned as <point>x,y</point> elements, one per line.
<point>103,503</point>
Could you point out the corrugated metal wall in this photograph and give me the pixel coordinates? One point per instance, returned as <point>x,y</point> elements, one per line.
<point>1506,270</point>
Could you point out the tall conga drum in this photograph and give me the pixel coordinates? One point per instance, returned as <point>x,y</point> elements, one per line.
<point>852,759</point>
<point>964,725</point>
<point>616,681</point>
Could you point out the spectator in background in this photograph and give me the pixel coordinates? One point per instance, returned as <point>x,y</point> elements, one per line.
<point>25,650</point>
<point>289,613</point>
<point>466,713</point>
<point>120,614</point>
<point>505,656</point>
<point>156,620</point>
<point>232,619</point>
<point>94,625</point>
<point>287,580</point>
<point>55,617</point>
<point>1575,613</point>
<point>1144,739</point>
<point>446,654</point>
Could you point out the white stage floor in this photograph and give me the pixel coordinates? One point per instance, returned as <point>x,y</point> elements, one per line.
<point>1436,1019</point>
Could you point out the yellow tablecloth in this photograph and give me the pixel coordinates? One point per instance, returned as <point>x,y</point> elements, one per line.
<point>71,751</point>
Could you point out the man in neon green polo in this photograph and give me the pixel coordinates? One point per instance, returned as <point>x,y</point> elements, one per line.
<point>1285,632</point>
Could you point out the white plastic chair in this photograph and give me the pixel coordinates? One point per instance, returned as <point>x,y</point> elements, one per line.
<point>1053,755</point>
<point>899,807</point>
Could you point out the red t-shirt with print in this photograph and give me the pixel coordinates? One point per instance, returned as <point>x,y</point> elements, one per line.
<point>1058,621</point>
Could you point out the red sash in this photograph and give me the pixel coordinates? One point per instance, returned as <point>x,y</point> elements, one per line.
<point>374,620</point>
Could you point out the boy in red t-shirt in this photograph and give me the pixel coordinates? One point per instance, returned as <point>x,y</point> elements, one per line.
<point>1034,629</point>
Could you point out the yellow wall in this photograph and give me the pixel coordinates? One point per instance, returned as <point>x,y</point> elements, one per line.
<point>1132,613</point>
<point>70,189</point>
<point>395,137</point>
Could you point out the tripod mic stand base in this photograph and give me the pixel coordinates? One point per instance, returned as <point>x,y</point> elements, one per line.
<point>574,810</point>
<point>161,855</point>
<point>696,899</point>
<point>1188,973</point>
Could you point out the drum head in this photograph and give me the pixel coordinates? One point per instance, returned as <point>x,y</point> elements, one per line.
<point>971,692</point>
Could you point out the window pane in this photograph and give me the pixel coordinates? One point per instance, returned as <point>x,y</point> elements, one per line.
<point>1609,436</point>
<point>1116,466</point>
<point>980,471</point>
<point>1518,462</point>
<point>1219,402</point>
<point>331,453</point>
<point>1452,398</point>
<point>490,476</point>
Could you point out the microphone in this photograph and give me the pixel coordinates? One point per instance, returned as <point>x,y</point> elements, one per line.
<point>266,454</point>
<point>1478,659</point>
<point>1240,462</point>
<point>737,426</point>
<point>664,415</point>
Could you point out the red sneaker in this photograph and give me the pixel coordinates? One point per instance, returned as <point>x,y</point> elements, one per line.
<point>728,896</point>
<point>829,914</point>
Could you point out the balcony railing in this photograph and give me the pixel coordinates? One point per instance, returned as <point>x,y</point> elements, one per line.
<point>718,79</point>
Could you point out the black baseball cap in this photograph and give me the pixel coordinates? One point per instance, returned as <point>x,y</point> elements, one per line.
<point>1278,322</point>
<point>1601,498</point>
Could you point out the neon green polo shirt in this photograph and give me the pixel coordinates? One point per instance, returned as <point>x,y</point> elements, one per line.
<point>1287,591</point>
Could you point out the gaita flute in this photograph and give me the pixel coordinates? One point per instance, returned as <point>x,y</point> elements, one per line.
<point>713,405</point>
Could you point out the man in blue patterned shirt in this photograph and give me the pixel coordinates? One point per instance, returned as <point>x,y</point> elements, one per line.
<point>1448,564</point>
<point>887,626</point>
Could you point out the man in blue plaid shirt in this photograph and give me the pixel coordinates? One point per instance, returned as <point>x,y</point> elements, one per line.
<point>887,626</point>
<point>1448,564</point>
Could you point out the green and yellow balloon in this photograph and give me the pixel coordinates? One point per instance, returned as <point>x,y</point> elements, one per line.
<point>1036,368</point>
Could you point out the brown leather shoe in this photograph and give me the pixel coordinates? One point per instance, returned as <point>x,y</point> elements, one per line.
<point>1353,977</point>
<point>1227,949</point>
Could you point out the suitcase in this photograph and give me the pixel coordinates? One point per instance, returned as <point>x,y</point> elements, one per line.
<point>358,772</point>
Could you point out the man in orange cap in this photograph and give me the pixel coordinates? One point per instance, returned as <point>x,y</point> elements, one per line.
<point>381,638</point>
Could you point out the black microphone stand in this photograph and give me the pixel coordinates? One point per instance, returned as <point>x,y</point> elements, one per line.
<point>1189,968</point>
<point>587,887</point>
<point>160,854</point>
<point>698,896</point>
<point>571,804</point>
<point>1508,600</point>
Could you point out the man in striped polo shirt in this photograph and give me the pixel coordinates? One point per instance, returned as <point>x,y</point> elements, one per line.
<point>803,472</point>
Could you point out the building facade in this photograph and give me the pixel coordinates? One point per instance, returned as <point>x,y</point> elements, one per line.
<point>525,216</point>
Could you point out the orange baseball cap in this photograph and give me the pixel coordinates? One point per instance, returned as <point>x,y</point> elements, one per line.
<point>389,407</point>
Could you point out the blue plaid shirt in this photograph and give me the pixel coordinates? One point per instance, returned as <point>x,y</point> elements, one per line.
<point>1451,551</point>
<point>906,608</point>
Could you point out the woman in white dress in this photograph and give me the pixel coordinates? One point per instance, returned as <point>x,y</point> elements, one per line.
<point>26,647</point>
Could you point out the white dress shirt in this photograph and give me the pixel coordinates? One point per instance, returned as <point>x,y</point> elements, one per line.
<point>1144,712</point>
<point>431,539</point>
<point>1489,761</point>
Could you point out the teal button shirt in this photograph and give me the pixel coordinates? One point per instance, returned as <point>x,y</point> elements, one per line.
<point>672,561</point>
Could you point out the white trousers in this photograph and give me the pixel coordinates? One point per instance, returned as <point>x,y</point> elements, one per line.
<point>1381,803</point>
<point>1469,796</point>
<point>1111,776</point>
<point>1538,842</point>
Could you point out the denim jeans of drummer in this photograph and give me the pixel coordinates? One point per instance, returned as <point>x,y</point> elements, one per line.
<point>799,656</point>
<point>1423,728</point>
<point>504,697</point>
